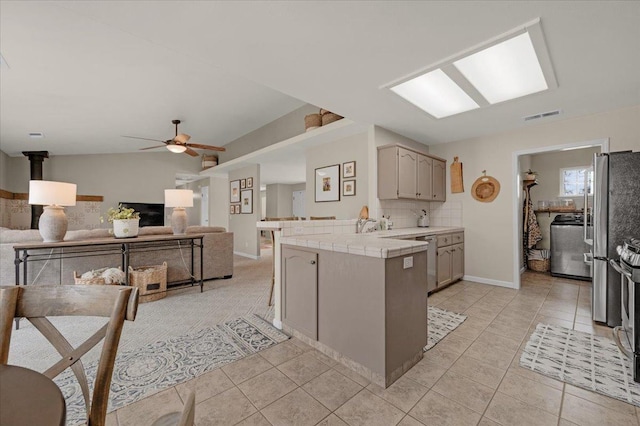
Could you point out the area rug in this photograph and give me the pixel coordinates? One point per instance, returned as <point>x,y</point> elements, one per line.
<point>142,372</point>
<point>440,323</point>
<point>590,362</point>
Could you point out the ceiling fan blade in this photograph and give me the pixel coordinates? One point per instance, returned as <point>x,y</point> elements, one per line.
<point>144,139</point>
<point>191,152</point>
<point>152,147</point>
<point>209,147</point>
<point>182,138</point>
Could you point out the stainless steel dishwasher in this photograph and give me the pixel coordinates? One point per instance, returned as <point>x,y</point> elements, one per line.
<point>568,248</point>
<point>432,252</point>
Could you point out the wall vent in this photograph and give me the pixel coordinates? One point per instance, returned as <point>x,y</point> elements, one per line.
<point>542,115</point>
<point>36,135</point>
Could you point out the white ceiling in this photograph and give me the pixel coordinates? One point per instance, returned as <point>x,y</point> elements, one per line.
<point>85,73</point>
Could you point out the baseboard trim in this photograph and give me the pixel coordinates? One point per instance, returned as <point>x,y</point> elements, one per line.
<point>277,324</point>
<point>489,281</point>
<point>250,256</point>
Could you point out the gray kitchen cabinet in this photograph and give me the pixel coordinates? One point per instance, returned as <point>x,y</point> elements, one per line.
<point>439,180</point>
<point>450,259</point>
<point>424,177</point>
<point>300,290</point>
<point>405,173</point>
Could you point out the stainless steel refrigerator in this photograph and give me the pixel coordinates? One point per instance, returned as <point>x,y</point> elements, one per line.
<point>615,211</point>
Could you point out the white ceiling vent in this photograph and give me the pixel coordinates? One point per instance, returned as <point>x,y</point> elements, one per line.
<point>542,115</point>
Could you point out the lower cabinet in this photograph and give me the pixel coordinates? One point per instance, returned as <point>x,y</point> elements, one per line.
<point>450,259</point>
<point>300,290</point>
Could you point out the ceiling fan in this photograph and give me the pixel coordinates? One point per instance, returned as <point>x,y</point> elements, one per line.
<point>179,143</point>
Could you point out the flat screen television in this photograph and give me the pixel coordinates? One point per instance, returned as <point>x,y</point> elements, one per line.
<point>150,214</point>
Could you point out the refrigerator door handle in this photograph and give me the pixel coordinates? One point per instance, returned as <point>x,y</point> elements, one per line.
<point>588,258</point>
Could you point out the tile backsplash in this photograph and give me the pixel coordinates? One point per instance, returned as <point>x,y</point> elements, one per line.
<point>405,213</point>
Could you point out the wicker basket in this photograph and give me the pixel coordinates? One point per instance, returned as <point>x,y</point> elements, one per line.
<point>330,118</point>
<point>324,111</point>
<point>151,281</point>
<point>88,281</point>
<point>539,265</point>
<point>312,121</point>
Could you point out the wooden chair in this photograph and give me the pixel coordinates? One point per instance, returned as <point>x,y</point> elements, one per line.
<point>184,418</point>
<point>36,302</point>
<point>322,217</point>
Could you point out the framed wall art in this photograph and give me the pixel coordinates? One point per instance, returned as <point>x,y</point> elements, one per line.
<point>348,188</point>
<point>246,201</point>
<point>243,183</point>
<point>349,169</point>
<point>232,209</point>
<point>234,196</point>
<point>327,183</point>
<point>236,209</point>
<point>250,182</point>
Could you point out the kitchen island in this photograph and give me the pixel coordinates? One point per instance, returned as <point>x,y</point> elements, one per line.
<point>359,298</point>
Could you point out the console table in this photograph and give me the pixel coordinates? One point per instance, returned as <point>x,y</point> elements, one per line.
<point>108,246</point>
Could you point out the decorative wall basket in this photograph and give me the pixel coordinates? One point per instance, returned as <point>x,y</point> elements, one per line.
<point>330,118</point>
<point>486,188</point>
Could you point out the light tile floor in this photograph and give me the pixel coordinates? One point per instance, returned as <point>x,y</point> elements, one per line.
<point>472,377</point>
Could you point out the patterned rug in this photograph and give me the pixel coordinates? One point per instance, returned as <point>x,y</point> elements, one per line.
<point>441,322</point>
<point>581,359</point>
<point>142,372</point>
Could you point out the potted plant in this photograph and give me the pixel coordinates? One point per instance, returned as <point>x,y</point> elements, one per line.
<point>530,175</point>
<point>125,221</point>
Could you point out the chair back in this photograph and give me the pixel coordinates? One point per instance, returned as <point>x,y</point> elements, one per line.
<point>279,219</point>
<point>322,217</point>
<point>36,302</point>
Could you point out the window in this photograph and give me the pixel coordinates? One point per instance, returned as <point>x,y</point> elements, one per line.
<point>572,181</point>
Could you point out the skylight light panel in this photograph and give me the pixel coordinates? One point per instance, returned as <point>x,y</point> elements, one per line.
<point>436,94</point>
<point>505,71</point>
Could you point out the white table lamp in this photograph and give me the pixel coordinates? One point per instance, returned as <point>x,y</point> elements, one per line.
<point>178,199</point>
<point>53,195</point>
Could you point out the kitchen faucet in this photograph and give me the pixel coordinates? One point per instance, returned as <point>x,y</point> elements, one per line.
<point>361,223</point>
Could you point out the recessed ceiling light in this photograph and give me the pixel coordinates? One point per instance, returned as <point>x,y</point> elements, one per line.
<point>36,135</point>
<point>505,71</point>
<point>436,93</point>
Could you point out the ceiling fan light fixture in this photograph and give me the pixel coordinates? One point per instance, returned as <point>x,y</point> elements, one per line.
<point>176,148</point>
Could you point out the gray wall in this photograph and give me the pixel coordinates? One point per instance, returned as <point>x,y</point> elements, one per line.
<point>219,202</point>
<point>245,232</point>
<point>285,127</point>
<point>352,148</point>
<point>280,199</point>
<point>4,171</point>
<point>135,177</point>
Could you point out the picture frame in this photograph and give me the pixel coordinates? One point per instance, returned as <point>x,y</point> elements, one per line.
<point>348,188</point>
<point>243,183</point>
<point>237,208</point>
<point>232,209</point>
<point>327,183</point>
<point>349,169</point>
<point>246,201</point>
<point>234,195</point>
<point>250,182</point>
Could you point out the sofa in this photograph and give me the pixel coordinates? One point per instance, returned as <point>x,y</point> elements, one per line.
<point>217,256</point>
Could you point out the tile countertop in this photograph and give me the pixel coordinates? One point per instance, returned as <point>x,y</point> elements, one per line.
<point>381,244</point>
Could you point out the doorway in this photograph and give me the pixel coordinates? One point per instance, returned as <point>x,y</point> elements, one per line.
<point>298,204</point>
<point>519,161</point>
<point>204,206</point>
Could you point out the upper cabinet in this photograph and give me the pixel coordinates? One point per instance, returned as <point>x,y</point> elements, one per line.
<point>409,174</point>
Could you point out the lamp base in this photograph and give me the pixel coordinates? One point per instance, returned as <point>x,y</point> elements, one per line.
<point>179,221</point>
<point>53,224</point>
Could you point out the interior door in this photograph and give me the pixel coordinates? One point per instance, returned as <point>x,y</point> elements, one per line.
<point>204,206</point>
<point>298,204</point>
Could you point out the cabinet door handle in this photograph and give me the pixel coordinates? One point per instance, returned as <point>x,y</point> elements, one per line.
<point>313,262</point>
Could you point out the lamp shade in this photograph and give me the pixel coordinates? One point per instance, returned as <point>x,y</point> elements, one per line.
<point>47,193</point>
<point>178,198</point>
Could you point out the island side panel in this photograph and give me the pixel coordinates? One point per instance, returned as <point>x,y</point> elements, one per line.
<point>406,308</point>
<point>351,307</point>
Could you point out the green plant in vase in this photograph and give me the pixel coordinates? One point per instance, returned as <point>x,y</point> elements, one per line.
<point>125,221</point>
